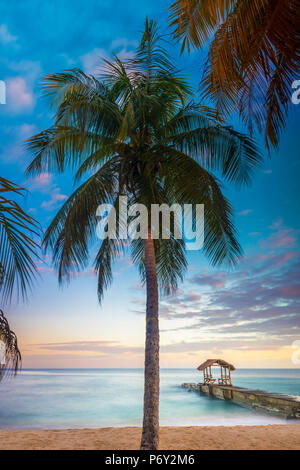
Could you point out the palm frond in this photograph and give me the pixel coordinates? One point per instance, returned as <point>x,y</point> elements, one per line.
<point>253,58</point>
<point>193,21</point>
<point>17,245</point>
<point>60,147</point>
<point>73,227</point>
<point>220,235</point>
<point>196,131</point>
<point>10,353</point>
<point>109,251</point>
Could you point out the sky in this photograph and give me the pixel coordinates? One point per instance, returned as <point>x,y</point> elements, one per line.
<point>249,315</point>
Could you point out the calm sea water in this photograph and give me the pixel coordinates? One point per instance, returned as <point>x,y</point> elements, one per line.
<point>68,398</point>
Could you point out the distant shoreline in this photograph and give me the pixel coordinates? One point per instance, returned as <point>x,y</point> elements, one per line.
<point>271,437</point>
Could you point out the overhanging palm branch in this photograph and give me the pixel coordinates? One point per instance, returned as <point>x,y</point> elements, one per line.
<point>253,58</point>
<point>10,356</point>
<point>17,246</point>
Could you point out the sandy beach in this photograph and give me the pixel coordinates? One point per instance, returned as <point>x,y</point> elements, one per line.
<point>285,437</point>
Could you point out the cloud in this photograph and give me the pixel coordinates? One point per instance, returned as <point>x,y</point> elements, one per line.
<point>268,262</point>
<point>249,308</point>
<point>124,43</point>
<point>19,95</point>
<point>26,130</point>
<point>93,61</point>
<point>102,347</point>
<point>284,238</point>
<point>245,212</point>
<point>20,85</point>
<point>212,280</point>
<point>109,348</point>
<point>44,269</point>
<point>53,202</point>
<point>284,258</point>
<point>178,305</point>
<point>29,69</point>
<point>42,182</point>
<point>278,223</point>
<point>191,297</point>
<point>5,36</point>
<point>83,273</point>
<point>15,151</point>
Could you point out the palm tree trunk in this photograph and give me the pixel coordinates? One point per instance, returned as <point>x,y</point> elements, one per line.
<point>150,434</point>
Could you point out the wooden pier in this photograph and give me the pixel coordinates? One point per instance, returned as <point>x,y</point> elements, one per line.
<point>275,403</point>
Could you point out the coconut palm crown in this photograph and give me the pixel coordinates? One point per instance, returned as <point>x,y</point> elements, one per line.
<point>136,131</point>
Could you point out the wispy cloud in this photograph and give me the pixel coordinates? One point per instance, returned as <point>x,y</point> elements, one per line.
<point>14,152</point>
<point>284,238</point>
<point>245,212</point>
<point>42,182</point>
<point>19,95</point>
<point>5,36</point>
<point>93,61</point>
<point>56,198</point>
<point>255,307</point>
<point>101,347</point>
<point>211,280</point>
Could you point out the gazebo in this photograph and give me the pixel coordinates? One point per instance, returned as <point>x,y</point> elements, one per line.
<point>226,368</point>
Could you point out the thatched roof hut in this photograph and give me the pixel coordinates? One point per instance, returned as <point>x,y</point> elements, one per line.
<point>226,368</point>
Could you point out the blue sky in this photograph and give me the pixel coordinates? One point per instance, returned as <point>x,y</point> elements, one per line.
<point>249,315</point>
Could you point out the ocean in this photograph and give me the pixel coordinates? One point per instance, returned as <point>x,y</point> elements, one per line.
<point>81,398</point>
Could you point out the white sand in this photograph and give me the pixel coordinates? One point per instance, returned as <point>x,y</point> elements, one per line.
<point>284,437</point>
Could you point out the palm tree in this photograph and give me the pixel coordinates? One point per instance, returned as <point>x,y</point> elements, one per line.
<point>137,133</point>
<point>17,268</point>
<point>253,57</point>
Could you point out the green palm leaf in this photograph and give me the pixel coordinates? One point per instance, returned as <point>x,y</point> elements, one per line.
<point>10,353</point>
<point>17,246</point>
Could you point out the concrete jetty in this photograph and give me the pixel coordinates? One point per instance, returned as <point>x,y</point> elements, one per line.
<point>276,403</point>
